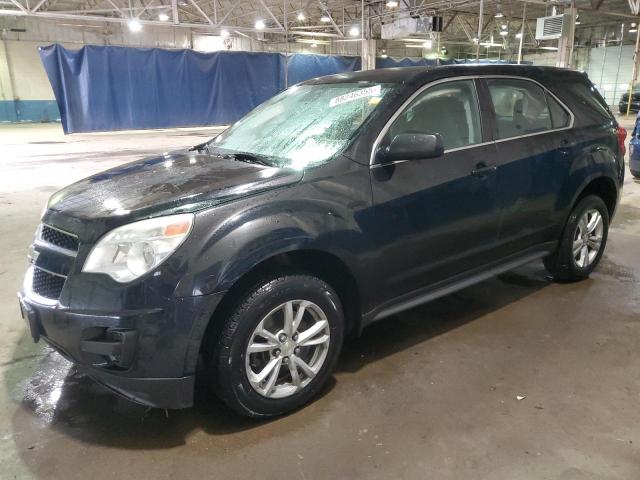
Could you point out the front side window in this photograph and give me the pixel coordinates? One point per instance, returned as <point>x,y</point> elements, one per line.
<point>449,109</point>
<point>305,125</point>
<point>523,107</point>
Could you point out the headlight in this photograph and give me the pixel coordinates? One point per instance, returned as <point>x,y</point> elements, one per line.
<point>130,251</point>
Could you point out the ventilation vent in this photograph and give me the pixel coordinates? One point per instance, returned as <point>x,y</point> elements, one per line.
<point>550,28</point>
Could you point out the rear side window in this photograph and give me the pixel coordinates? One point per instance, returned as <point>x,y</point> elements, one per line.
<point>559,116</point>
<point>449,109</point>
<point>521,107</point>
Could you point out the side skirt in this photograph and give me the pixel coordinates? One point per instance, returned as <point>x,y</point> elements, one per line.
<point>446,287</point>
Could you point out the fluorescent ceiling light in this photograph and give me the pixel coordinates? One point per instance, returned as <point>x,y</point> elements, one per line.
<point>134,25</point>
<point>314,45</point>
<point>392,4</point>
<point>224,33</point>
<point>549,48</point>
<point>428,44</point>
<point>301,17</point>
<point>499,14</point>
<point>504,33</point>
<point>325,18</point>
<point>259,24</point>
<point>354,31</point>
<point>633,30</point>
<point>503,26</point>
<point>163,17</point>
<point>519,35</point>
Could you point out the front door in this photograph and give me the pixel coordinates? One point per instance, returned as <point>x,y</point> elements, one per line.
<point>436,217</point>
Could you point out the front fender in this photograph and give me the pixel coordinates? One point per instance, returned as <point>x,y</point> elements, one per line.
<point>248,236</point>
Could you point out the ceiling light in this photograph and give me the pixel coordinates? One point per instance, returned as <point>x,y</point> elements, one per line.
<point>301,17</point>
<point>499,14</point>
<point>633,30</point>
<point>384,55</point>
<point>224,33</point>
<point>392,4</point>
<point>633,25</point>
<point>134,25</point>
<point>504,33</point>
<point>314,45</point>
<point>163,17</point>
<point>354,31</point>
<point>503,26</point>
<point>325,18</point>
<point>259,24</point>
<point>475,39</point>
<point>428,44</point>
<point>519,35</point>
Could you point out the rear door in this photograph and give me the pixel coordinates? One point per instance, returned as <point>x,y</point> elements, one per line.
<point>535,146</point>
<point>436,217</point>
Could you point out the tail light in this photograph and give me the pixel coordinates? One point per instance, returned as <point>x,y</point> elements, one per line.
<point>622,135</point>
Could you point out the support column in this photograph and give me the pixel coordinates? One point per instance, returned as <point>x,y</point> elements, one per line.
<point>565,44</point>
<point>634,74</point>
<point>368,46</point>
<point>524,23</point>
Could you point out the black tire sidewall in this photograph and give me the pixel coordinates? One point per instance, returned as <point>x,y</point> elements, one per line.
<point>233,384</point>
<point>568,270</point>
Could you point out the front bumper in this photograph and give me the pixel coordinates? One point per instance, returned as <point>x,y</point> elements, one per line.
<point>146,355</point>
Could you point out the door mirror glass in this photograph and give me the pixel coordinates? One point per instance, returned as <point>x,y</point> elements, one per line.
<point>412,146</point>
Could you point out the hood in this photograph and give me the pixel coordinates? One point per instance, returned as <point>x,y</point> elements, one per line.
<point>177,182</point>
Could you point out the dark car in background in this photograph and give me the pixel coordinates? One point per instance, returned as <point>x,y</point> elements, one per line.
<point>634,150</point>
<point>341,201</point>
<point>623,104</point>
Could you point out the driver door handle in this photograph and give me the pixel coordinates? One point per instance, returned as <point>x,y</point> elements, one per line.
<point>483,169</point>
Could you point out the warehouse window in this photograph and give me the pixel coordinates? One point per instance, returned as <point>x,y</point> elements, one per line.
<point>449,109</point>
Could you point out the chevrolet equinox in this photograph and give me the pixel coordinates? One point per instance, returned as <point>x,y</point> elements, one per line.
<point>341,201</point>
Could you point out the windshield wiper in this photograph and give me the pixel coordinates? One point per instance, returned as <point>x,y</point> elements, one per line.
<point>247,157</point>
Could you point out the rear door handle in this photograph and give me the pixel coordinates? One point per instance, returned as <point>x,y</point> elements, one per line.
<point>482,169</point>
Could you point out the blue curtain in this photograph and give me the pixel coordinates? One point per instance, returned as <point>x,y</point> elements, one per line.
<point>119,88</point>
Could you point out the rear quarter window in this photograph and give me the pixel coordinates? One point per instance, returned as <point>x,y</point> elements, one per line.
<point>581,94</point>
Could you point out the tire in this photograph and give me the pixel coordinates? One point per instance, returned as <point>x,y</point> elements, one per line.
<point>635,173</point>
<point>265,306</point>
<point>562,264</point>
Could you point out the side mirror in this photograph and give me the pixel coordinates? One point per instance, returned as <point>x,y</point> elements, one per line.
<point>412,146</point>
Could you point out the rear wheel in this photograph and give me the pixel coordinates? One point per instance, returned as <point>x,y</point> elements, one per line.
<point>635,173</point>
<point>279,346</point>
<point>583,241</point>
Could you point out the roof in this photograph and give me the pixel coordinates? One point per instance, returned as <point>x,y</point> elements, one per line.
<point>420,75</point>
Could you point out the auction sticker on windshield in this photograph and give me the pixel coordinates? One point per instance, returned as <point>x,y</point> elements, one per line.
<point>356,94</point>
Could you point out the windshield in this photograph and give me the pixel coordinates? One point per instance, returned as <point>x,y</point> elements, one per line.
<point>303,126</point>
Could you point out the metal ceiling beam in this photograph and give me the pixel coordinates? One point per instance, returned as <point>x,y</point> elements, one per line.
<point>326,12</point>
<point>226,15</point>
<point>19,5</point>
<point>264,5</point>
<point>204,15</point>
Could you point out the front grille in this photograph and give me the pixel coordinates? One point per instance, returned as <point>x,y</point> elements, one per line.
<point>59,238</point>
<point>46,284</point>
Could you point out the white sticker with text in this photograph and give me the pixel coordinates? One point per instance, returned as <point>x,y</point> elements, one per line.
<point>356,94</point>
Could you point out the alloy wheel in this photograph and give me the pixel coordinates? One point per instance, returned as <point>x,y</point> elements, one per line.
<point>587,239</point>
<point>287,349</point>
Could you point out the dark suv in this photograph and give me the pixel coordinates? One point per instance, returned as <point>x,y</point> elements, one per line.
<point>343,200</point>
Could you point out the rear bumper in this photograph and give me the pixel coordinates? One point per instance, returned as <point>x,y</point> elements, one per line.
<point>148,356</point>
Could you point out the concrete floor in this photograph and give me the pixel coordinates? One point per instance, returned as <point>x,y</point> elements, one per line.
<point>515,378</point>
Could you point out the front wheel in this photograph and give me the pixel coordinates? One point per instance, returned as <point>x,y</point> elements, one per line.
<point>583,241</point>
<point>279,346</point>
